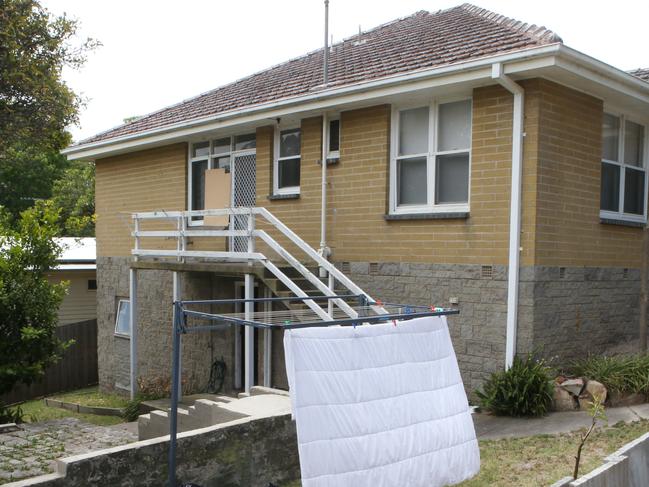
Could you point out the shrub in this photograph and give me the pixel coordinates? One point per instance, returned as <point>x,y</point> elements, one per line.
<point>132,409</point>
<point>620,373</point>
<point>11,415</point>
<point>522,390</point>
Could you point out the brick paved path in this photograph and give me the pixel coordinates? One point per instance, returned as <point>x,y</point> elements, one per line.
<point>33,450</point>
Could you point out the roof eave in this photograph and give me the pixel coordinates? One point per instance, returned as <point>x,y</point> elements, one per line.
<point>553,54</point>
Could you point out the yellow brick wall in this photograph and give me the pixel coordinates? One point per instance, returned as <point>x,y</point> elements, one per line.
<point>561,177</point>
<point>569,232</point>
<point>146,180</point>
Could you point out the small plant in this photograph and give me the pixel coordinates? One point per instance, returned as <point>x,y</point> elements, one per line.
<point>132,409</point>
<point>596,411</point>
<point>11,415</point>
<point>620,373</point>
<point>522,390</point>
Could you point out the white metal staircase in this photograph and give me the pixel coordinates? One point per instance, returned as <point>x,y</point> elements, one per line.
<point>257,221</point>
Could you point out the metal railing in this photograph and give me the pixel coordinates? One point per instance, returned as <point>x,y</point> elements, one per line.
<point>184,231</point>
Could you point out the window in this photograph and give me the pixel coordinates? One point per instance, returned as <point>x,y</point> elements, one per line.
<point>333,140</point>
<point>430,158</point>
<point>92,284</point>
<point>623,181</point>
<point>213,154</point>
<point>123,320</point>
<point>287,161</point>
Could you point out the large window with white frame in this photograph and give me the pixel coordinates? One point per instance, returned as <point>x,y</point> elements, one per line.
<point>286,167</point>
<point>430,159</point>
<point>624,174</point>
<point>212,154</point>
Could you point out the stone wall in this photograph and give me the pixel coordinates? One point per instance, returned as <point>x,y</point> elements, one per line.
<point>199,350</point>
<point>563,314</point>
<point>243,452</point>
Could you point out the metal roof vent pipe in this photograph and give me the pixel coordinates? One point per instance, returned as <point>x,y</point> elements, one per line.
<point>325,68</point>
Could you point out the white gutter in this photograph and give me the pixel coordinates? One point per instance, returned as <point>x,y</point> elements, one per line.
<point>270,110</point>
<point>514,209</point>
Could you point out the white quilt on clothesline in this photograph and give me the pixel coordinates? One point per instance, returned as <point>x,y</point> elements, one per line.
<point>380,405</point>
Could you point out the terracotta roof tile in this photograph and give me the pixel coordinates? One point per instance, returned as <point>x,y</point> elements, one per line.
<point>420,41</point>
<point>642,73</point>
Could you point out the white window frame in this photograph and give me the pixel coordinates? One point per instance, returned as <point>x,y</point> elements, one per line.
<point>289,190</point>
<point>119,306</point>
<point>431,158</point>
<point>620,214</point>
<point>336,153</point>
<point>211,157</point>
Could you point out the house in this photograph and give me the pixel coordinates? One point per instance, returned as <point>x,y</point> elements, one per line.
<point>472,160</point>
<point>77,266</point>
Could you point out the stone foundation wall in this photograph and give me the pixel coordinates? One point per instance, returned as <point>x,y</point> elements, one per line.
<point>564,313</point>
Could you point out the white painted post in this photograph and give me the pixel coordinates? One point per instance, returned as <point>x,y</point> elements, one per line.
<point>249,333</point>
<point>330,302</point>
<point>268,342</point>
<point>176,297</point>
<point>132,284</point>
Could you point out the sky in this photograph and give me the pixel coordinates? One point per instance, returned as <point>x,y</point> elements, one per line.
<point>157,53</point>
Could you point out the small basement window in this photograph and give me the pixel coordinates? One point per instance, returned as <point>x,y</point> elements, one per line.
<point>123,320</point>
<point>92,284</point>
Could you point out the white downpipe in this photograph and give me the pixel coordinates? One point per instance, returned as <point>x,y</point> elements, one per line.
<point>498,74</point>
<point>323,213</point>
<point>324,251</point>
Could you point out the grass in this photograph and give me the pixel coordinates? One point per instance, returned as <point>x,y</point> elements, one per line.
<point>542,460</point>
<point>92,397</point>
<point>36,411</point>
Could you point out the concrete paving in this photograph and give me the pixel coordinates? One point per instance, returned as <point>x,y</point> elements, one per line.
<point>490,427</point>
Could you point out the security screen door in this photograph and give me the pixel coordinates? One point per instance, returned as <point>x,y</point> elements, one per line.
<point>244,193</point>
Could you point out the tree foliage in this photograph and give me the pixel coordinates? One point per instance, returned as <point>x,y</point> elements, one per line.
<point>36,105</point>
<point>28,301</point>
<point>74,195</point>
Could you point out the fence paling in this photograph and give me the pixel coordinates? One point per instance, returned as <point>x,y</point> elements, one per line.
<point>76,369</point>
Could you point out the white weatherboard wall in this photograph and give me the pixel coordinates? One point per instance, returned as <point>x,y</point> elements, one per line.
<point>80,303</point>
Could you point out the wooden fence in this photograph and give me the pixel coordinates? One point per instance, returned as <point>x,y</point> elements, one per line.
<point>77,368</point>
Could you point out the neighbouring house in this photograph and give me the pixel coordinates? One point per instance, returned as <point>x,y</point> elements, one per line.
<point>471,160</point>
<point>77,266</point>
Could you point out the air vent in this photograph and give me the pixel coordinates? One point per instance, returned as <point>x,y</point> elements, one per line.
<point>374,268</point>
<point>344,266</point>
<point>562,272</point>
<point>487,272</point>
<point>625,274</point>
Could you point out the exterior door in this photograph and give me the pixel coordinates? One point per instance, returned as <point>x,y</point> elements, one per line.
<point>244,194</point>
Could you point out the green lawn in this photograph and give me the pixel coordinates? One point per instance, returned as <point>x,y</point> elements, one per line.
<point>92,397</point>
<point>35,411</point>
<point>539,461</point>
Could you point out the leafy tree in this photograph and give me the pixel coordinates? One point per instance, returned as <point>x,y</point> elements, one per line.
<point>36,106</point>
<point>28,301</point>
<point>27,174</point>
<point>74,195</point>
<point>35,103</point>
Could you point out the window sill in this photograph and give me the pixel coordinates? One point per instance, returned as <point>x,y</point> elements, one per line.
<point>448,215</point>
<point>621,222</point>
<point>292,196</point>
<point>331,161</point>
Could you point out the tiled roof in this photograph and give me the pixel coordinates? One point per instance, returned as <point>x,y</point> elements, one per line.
<point>423,40</point>
<point>641,73</point>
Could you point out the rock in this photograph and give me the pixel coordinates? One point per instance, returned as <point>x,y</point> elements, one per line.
<point>585,400</point>
<point>573,386</point>
<point>596,390</point>
<point>562,400</point>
